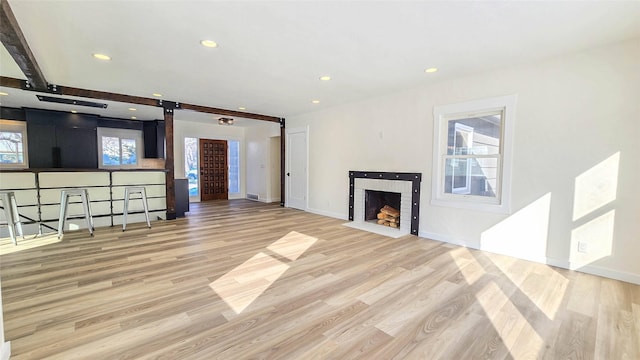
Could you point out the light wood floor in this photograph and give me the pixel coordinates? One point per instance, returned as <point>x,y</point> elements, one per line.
<point>246,280</point>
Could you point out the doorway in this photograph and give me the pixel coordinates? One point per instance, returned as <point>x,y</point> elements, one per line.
<point>214,180</point>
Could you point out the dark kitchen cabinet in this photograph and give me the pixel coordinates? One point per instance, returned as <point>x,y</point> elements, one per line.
<point>78,148</point>
<point>42,146</point>
<point>154,139</point>
<point>61,140</point>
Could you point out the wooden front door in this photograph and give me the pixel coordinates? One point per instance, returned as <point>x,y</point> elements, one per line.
<point>214,181</point>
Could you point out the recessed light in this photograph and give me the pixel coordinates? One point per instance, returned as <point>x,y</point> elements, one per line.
<point>242,108</point>
<point>132,109</point>
<point>133,118</point>
<point>102,56</point>
<point>431,70</point>
<point>325,78</point>
<point>209,43</point>
<point>315,101</point>
<point>2,93</point>
<point>74,111</point>
<point>157,95</point>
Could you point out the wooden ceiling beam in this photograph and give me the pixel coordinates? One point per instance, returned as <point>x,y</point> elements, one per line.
<point>13,40</point>
<point>216,111</point>
<point>103,95</point>
<point>138,100</point>
<point>11,82</point>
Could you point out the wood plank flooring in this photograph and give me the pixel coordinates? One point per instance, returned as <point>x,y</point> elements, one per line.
<point>246,280</point>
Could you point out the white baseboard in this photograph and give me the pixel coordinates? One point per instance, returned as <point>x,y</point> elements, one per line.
<point>610,273</point>
<point>328,213</point>
<point>447,239</point>
<point>561,263</point>
<point>260,200</point>
<point>5,351</point>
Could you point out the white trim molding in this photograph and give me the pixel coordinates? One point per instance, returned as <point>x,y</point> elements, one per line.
<point>506,106</point>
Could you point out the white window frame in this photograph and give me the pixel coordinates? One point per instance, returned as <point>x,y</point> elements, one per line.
<point>445,113</point>
<point>122,134</point>
<point>21,127</point>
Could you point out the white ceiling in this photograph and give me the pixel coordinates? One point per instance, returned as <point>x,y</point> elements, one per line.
<point>272,53</point>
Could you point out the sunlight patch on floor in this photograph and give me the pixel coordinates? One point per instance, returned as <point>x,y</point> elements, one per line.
<point>545,289</point>
<point>29,242</point>
<point>507,320</point>
<point>468,266</point>
<point>242,285</point>
<point>292,245</point>
<point>245,283</point>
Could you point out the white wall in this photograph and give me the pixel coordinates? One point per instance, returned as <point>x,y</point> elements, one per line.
<point>275,166</point>
<point>576,131</point>
<point>259,163</point>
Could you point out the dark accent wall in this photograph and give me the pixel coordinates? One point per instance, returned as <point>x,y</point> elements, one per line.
<point>11,114</point>
<point>60,139</point>
<point>120,123</point>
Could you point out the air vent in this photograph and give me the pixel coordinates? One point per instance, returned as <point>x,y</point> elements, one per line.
<point>252,196</point>
<point>71,101</point>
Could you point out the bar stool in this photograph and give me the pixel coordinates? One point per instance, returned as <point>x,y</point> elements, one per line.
<point>86,205</point>
<point>11,213</point>
<point>128,191</point>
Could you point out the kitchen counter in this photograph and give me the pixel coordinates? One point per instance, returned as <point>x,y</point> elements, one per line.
<point>38,195</point>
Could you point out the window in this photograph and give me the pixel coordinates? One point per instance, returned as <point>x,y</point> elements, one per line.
<point>234,167</point>
<point>13,145</point>
<point>191,147</point>
<point>119,148</point>
<point>472,154</point>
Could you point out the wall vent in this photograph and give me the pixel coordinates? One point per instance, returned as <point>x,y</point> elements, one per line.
<point>252,196</point>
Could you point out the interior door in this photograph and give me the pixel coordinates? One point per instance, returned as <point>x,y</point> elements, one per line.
<point>214,173</point>
<point>296,179</point>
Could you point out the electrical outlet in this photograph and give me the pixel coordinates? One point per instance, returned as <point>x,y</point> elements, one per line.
<point>582,247</point>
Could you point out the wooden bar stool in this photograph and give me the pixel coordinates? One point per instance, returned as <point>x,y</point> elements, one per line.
<point>11,213</point>
<point>128,191</point>
<point>64,204</point>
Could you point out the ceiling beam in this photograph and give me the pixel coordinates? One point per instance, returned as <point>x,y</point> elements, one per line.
<point>13,40</point>
<point>217,111</point>
<point>11,82</point>
<point>103,95</point>
<point>130,99</point>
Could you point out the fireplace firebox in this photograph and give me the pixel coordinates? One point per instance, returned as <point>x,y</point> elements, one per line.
<point>375,203</point>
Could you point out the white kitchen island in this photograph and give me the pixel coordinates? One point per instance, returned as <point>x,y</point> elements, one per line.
<point>38,196</point>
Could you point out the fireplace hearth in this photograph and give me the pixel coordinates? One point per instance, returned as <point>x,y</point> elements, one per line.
<point>370,192</point>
